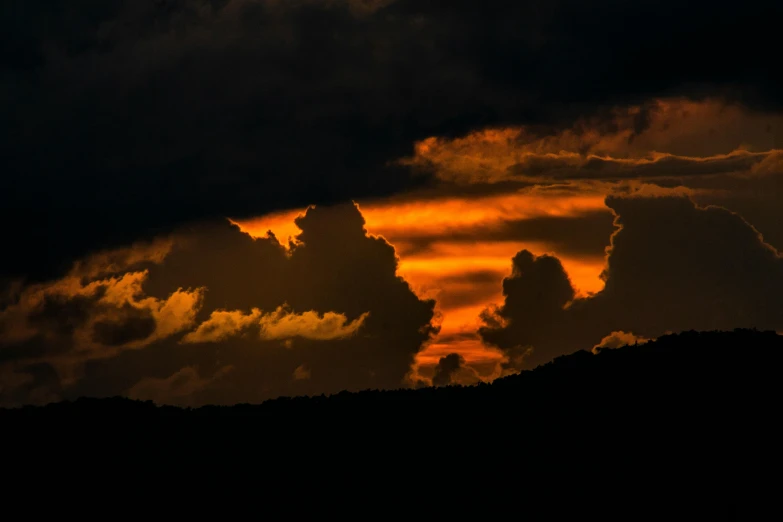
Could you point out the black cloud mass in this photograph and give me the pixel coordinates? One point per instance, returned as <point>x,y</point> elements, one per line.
<point>220,317</point>
<point>120,119</point>
<point>672,266</point>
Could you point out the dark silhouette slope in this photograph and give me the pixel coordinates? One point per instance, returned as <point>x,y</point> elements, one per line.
<point>682,428</point>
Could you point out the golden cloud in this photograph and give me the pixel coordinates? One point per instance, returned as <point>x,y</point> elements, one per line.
<point>665,138</point>
<point>618,340</point>
<point>212,285</point>
<point>74,321</point>
<point>221,325</point>
<point>284,324</point>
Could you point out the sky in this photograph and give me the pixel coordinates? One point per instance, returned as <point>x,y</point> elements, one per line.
<point>222,201</point>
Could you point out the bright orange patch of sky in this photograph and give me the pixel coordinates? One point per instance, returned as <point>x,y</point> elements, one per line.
<point>435,272</point>
<point>465,276</point>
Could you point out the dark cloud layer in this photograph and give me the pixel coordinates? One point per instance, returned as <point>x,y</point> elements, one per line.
<point>673,266</point>
<point>222,318</point>
<point>584,235</point>
<point>120,119</point>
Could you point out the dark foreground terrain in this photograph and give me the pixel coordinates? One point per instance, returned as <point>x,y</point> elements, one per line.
<point>683,428</point>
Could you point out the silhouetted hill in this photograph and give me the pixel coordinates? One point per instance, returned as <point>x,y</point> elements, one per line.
<point>682,428</point>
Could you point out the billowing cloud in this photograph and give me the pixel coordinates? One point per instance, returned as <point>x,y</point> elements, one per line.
<point>446,368</point>
<point>454,247</point>
<point>153,114</point>
<point>328,314</point>
<point>449,369</point>
<point>468,131</point>
<point>453,370</point>
<point>535,296</point>
<point>672,266</point>
<point>74,321</point>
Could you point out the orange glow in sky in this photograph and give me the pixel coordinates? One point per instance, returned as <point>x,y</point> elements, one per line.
<point>442,270</point>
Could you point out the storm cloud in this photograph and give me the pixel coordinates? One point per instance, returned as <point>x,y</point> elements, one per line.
<point>672,266</point>
<point>221,318</point>
<point>123,119</point>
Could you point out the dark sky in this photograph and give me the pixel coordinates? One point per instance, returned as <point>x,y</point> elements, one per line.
<point>626,156</point>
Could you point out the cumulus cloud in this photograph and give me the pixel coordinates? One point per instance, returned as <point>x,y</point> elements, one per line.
<point>67,324</point>
<point>96,319</point>
<point>339,317</point>
<point>446,368</point>
<point>672,266</point>
<point>452,369</point>
<point>535,295</point>
<point>145,118</point>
